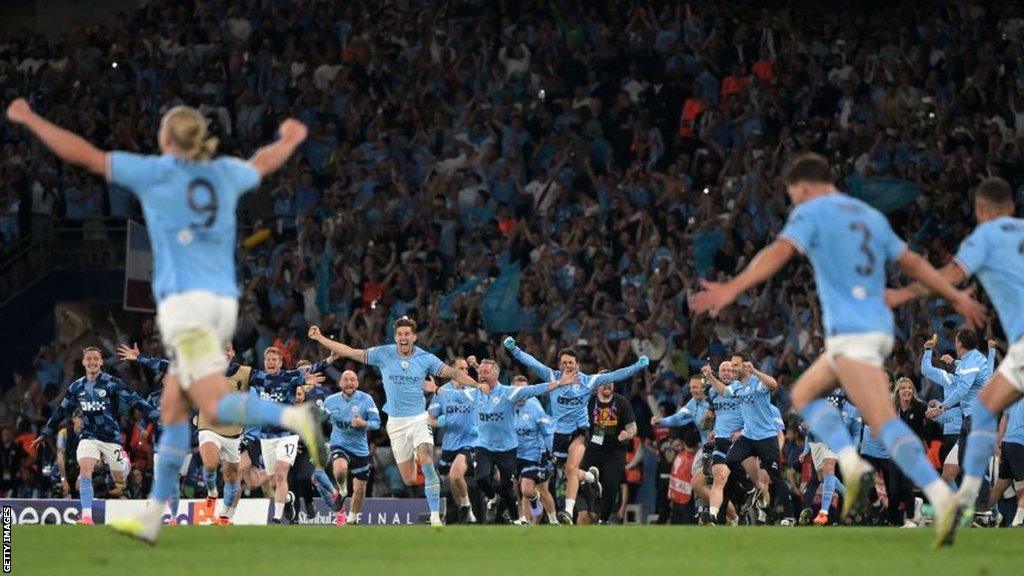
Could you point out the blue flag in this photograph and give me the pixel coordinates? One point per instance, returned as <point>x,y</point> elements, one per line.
<point>885,194</point>
<point>501,302</point>
<point>705,246</point>
<point>445,304</point>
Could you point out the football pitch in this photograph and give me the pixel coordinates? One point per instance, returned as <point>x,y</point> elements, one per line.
<point>542,550</point>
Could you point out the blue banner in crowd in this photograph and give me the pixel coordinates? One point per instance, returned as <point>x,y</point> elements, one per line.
<point>885,194</point>
<point>705,246</point>
<point>501,302</point>
<point>445,304</point>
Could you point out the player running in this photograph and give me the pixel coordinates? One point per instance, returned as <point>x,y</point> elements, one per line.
<point>848,243</point>
<point>452,411</point>
<point>279,446</point>
<point>494,405</point>
<point>753,390</point>
<point>994,253</point>
<point>569,411</point>
<point>404,368</point>
<point>535,433</point>
<point>98,396</point>
<point>728,423</point>
<point>189,202</point>
<point>693,412</point>
<point>352,413</point>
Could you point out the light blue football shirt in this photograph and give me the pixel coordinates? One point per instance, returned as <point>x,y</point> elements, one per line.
<point>848,243</point>
<point>190,217</point>
<point>403,377</point>
<point>755,403</point>
<point>459,419</point>
<point>534,431</point>
<point>994,253</point>
<point>341,410</point>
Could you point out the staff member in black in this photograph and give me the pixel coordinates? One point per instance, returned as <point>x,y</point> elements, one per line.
<point>612,428</point>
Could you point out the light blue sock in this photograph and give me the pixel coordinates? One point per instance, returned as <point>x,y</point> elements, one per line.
<point>323,485</point>
<point>241,408</point>
<point>828,490</point>
<point>908,452</point>
<point>981,442</point>
<point>85,492</point>
<point>839,487</point>
<point>174,446</point>
<point>210,479</point>
<point>432,487</point>
<point>231,492</point>
<point>823,419</point>
<point>173,502</point>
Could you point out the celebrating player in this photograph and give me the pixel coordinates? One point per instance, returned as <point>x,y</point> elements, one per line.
<point>569,411</point>
<point>352,414</point>
<point>97,395</point>
<point>535,434</point>
<point>494,405</point>
<point>404,368</point>
<point>994,253</point>
<point>189,202</point>
<point>848,243</point>
<point>728,423</point>
<point>452,411</point>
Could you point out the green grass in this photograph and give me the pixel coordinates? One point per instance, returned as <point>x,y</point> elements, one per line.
<point>538,551</point>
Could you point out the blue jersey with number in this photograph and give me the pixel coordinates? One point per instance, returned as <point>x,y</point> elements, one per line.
<point>495,413</point>
<point>403,377</point>
<point>190,216</point>
<point>848,243</point>
<point>99,400</point>
<point>534,430</point>
<point>755,403</point>
<point>994,253</point>
<point>459,420</point>
<point>341,410</point>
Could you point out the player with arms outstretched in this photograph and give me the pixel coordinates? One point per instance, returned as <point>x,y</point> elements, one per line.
<point>994,253</point>
<point>404,367</point>
<point>189,201</point>
<point>848,243</point>
<point>98,396</point>
<point>569,410</point>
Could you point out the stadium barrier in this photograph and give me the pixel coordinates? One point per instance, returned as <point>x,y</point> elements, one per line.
<point>250,512</point>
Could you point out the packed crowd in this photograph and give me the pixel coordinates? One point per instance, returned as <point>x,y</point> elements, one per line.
<point>615,154</point>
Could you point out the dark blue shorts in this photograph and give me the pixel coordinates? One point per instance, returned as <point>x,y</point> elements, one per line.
<point>444,465</point>
<point>563,441</point>
<point>539,472</point>
<point>358,466</point>
<point>722,446</point>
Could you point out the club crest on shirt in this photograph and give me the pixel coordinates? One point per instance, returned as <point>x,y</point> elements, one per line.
<point>185,237</point>
<point>526,416</point>
<point>495,400</point>
<point>355,409</point>
<point>405,364</point>
<point>102,393</point>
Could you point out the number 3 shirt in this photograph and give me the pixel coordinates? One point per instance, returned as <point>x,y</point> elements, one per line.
<point>848,243</point>
<point>190,215</point>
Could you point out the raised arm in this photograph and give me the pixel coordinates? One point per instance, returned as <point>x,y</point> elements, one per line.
<point>532,364</point>
<point>681,418</point>
<point>718,385</point>
<point>131,398</point>
<point>765,379</point>
<point>337,349</point>
<point>463,378</point>
<point>962,380</point>
<point>67,145</point>
<point>271,157</point>
<point>718,295</point>
<point>931,371</point>
<point>621,373</point>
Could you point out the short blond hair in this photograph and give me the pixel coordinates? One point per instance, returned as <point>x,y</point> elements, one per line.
<point>187,129</point>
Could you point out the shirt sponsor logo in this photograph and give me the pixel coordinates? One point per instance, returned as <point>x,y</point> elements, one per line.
<point>492,417</point>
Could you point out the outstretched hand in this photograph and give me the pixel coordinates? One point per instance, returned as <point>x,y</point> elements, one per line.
<point>714,297</point>
<point>126,354</point>
<point>19,111</point>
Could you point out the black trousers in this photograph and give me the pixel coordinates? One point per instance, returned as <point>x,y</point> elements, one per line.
<point>767,452</point>
<point>896,484</point>
<point>505,462</point>
<point>683,513</point>
<point>612,466</point>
